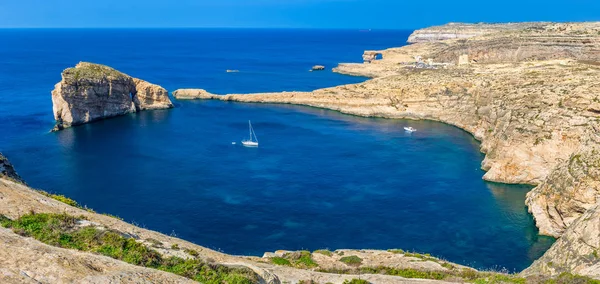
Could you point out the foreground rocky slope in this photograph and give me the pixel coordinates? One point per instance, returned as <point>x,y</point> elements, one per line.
<point>90,92</point>
<point>529,93</point>
<point>26,260</point>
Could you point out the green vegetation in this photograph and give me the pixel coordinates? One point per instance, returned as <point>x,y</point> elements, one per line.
<point>350,260</point>
<point>92,71</point>
<point>324,252</point>
<point>62,199</point>
<point>500,278</point>
<point>356,281</point>
<point>281,261</point>
<point>305,260</point>
<point>568,278</point>
<point>301,259</point>
<point>155,243</point>
<point>73,203</point>
<point>61,230</point>
<point>175,246</point>
<point>465,275</point>
<point>191,252</point>
<point>406,273</point>
<point>423,257</point>
<point>396,251</point>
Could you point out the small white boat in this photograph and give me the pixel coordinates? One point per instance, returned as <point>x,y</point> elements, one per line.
<point>252,141</point>
<point>409,129</point>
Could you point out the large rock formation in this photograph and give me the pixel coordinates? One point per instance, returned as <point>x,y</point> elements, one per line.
<point>530,94</point>
<point>90,92</point>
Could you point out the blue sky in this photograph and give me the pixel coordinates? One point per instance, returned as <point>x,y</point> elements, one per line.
<point>361,14</point>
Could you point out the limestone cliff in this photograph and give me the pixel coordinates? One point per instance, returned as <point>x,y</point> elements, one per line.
<point>464,30</point>
<point>90,92</point>
<point>577,250</point>
<point>530,93</point>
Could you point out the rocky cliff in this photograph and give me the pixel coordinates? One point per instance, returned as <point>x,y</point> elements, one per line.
<point>529,92</point>
<point>90,92</point>
<point>7,171</point>
<point>576,251</point>
<point>465,30</point>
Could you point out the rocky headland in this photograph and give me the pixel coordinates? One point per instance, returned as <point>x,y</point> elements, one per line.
<point>529,92</point>
<point>90,92</point>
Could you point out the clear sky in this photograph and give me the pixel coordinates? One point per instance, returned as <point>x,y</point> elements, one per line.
<point>361,14</point>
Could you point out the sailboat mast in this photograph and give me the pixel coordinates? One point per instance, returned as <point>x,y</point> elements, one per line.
<point>250,130</point>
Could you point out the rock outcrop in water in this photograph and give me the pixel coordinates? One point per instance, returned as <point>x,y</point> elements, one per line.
<point>192,94</point>
<point>89,92</point>
<point>529,92</point>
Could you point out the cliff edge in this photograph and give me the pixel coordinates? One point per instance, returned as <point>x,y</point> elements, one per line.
<point>89,92</point>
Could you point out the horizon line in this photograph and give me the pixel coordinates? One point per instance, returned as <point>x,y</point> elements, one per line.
<point>166,28</point>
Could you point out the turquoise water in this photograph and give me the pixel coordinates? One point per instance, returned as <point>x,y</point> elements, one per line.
<point>320,179</point>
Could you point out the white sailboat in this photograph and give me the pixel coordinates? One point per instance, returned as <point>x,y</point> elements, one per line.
<point>252,141</point>
<point>409,129</point>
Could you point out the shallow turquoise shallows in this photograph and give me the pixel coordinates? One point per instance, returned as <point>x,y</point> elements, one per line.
<point>319,179</point>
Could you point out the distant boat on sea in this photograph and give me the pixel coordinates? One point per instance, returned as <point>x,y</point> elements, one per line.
<point>409,129</point>
<point>253,140</point>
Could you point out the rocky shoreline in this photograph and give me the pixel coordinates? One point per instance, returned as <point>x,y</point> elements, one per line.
<point>529,92</point>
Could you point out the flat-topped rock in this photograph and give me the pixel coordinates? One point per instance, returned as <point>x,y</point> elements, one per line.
<point>192,94</point>
<point>89,92</point>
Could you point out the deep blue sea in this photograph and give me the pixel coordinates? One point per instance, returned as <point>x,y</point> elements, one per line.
<point>320,179</point>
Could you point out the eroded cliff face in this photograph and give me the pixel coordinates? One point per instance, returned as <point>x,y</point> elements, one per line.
<point>90,92</point>
<point>529,93</point>
<point>579,41</point>
<point>576,251</point>
<point>465,30</point>
<point>571,189</point>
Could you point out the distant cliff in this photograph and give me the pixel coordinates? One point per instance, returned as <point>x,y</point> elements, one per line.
<point>463,30</point>
<point>90,92</point>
